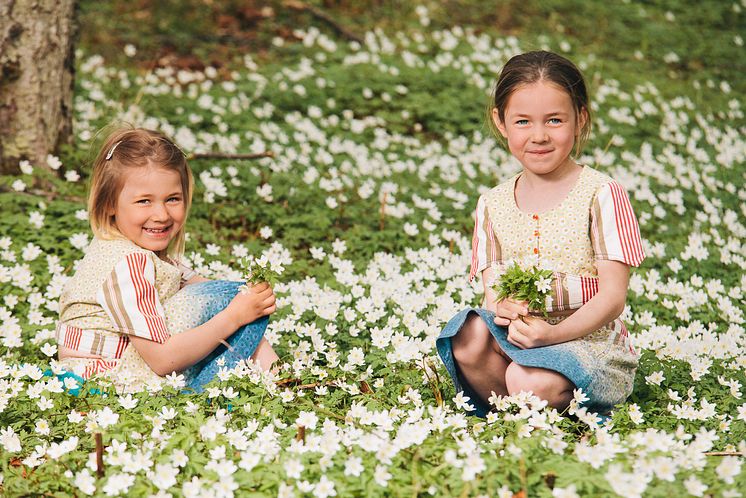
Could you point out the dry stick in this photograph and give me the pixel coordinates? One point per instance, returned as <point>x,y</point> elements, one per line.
<point>285,382</point>
<point>725,453</point>
<point>522,474</point>
<point>324,17</point>
<point>220,155</point>
<point>99,455</point>
<point>49,196</point>
<point>433,382</point>
<point>606,149</point>
<point>296,383</point>
<point>415,481</point>
<point>383,211</point>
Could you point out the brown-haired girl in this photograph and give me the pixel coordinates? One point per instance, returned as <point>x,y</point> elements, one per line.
<point>132,312</point>
<point>555,214</point>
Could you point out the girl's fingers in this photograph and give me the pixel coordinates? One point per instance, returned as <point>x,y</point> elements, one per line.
<point>518,326</point>
<point>264,294</point>
<point>515,337</point>
<point>511,309</point>
<point>515,342</point>
<point>503,322</point>
<point>519,307</point>
<point>270,310</point>
<point>259,287</point>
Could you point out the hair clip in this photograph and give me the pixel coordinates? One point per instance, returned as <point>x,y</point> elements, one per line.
<point>179,148</point>
<point>111,151</point>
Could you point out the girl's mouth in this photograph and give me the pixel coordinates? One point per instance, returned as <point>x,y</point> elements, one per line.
<point>157,231</point>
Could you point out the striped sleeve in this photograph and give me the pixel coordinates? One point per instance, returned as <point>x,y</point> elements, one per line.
<point>570,292</point>
<point>615,234</point>
<point>130,299</point>
<point>485,248</point>
<point>91,342</point>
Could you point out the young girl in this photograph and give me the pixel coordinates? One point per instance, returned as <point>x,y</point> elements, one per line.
<point>132,312</point>
<point>555,214</point>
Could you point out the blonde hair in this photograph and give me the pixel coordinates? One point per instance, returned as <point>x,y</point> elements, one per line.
<point>127,148</point>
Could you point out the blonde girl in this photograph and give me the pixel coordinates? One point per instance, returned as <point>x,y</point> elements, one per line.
<point>132,312</point>
<point>555,214</point>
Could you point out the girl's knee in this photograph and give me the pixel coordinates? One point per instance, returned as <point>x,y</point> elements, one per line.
<point>264,355</point>
<point>544,383</point>
<point>518,378</point>
<point>472,341</point>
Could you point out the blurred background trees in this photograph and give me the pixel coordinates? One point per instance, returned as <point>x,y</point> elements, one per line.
<point>36,79</point>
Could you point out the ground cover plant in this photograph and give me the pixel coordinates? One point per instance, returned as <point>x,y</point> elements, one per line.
<point>380,150</point>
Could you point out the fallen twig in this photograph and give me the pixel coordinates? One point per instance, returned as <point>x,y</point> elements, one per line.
<point>301,434</point>
<point>365,387</point>
<point>382,217</point>
<point>99,455</point>
<point>725,453</point>
<point>324,17</point>
<point>297,383</point>
<point>49,196</point>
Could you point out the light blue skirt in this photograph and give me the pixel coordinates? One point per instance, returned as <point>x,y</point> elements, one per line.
<point>574,359</point>
<point>194,305</point>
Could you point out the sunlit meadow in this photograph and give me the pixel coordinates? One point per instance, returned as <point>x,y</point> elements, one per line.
<point>380,151</point>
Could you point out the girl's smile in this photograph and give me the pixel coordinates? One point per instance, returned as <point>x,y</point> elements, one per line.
<point>150,209</point>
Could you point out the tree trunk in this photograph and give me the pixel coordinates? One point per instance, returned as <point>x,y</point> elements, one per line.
<point>36,79</point>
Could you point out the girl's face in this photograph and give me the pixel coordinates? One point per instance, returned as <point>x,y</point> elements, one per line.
<point>150,208</point>
<point>541,126</point>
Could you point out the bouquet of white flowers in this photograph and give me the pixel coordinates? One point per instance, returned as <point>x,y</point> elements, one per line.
<point>530,284</point>
<point>259,270</point>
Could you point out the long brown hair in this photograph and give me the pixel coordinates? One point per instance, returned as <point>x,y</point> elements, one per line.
<point>126,148</point>
<point>540,65</point>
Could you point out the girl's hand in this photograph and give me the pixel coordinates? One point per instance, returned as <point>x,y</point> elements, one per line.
<point>530,332</point>
<point>259,301</point>
<point>509,310</point>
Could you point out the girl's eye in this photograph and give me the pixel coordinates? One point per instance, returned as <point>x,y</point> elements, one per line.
<point>142,201</point>
<point>522,122</point>
<point>174,199</point>
<point>555,120</point>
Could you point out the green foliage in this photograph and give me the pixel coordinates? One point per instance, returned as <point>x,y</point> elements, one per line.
<point>258,270</point>
<point>530,284</point>
<point>389,158</point>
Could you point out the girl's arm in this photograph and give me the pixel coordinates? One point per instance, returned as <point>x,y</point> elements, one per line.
<point>180,351</point>
<point>196,279</point>
<point>490,298</point>
<point>602,309</point>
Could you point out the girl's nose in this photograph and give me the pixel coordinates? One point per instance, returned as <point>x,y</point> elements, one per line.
<point>539,135</point>
<point>159,212</point>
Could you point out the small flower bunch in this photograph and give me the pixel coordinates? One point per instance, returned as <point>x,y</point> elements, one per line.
<point>259,270</point>
<point>531,284</point>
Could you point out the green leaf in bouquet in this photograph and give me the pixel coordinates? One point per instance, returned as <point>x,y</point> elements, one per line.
<point>530,284</point>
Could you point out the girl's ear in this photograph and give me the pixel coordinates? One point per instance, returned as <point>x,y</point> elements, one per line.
<point>498,124</point>
<point>582,119</point>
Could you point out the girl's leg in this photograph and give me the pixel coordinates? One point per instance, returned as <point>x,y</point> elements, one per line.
<point>200,302</point>
<point>551,386</point>
<point>264,355</point>
<point>480,361</point>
